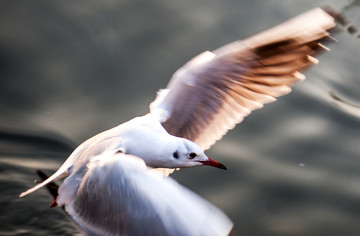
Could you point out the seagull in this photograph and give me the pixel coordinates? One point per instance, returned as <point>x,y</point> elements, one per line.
<point>116,179</point>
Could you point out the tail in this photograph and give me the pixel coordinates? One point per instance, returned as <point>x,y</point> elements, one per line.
<point>59,173</point>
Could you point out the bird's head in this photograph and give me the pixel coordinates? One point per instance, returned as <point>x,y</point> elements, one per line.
<point>189,154</point>
<point>166,151</point>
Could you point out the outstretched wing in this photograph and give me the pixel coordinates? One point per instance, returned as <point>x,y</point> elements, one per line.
<point>117,195</point>
<point>214,91</point>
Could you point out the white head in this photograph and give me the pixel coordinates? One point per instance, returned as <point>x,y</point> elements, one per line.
<point>175,152</point>
<point>159,149</point>
<point>189,154</point>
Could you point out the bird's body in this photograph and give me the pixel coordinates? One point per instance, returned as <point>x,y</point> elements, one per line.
<point>205,98</point>
<point>142,137</point>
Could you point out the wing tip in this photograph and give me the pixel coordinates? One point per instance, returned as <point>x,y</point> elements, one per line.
<point>323,47</point>
<point>36,187</point>
<point>299,76</point>
<point>27,192</point>
<point>60,172</point>
<point>312,60</point>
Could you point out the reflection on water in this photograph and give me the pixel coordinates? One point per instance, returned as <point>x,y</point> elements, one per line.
<point>74,69</point>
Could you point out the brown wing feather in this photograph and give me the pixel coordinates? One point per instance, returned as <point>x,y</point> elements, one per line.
<point>215,91</point>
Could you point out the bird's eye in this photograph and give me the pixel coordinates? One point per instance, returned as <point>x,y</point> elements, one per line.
<point>192,155</point>
<point>176,155</point>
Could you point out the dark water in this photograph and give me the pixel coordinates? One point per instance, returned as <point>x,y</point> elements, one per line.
<point>70,69</point>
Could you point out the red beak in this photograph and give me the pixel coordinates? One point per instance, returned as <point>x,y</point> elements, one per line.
<point>213,163</point>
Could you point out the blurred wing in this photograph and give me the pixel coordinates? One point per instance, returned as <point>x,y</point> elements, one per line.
<point>119,196</point>
<point>214,91</point>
